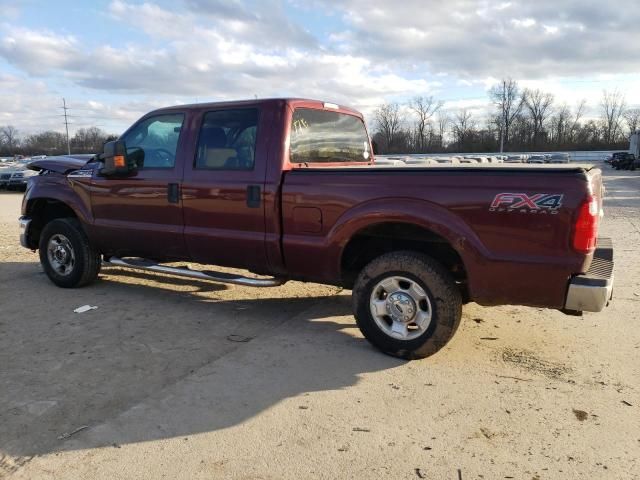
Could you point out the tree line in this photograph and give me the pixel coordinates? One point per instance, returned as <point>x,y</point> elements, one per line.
<point>519,120</point>
<point>85,140</point>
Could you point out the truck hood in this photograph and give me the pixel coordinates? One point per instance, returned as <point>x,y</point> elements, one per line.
<point>61,164</point>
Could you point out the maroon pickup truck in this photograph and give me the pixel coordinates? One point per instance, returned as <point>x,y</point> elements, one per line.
<point>289,189</point>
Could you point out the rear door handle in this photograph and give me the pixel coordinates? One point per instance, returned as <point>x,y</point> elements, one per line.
<point>173,193</point>
<point>253,196</point>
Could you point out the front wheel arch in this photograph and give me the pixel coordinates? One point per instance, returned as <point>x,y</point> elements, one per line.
<point>42,211</point>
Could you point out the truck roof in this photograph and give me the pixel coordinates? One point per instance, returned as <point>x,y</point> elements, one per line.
<point>291,101</point>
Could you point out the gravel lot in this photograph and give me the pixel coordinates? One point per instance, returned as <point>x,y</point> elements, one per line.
<point>173,378</point>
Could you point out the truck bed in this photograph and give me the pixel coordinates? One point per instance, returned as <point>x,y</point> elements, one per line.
<point>503,249</point>
<point>490,167</point>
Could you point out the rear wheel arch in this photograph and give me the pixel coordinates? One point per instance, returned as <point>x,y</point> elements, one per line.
<point>380,238</point>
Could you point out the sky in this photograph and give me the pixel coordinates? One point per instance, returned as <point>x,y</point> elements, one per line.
<point>114,60</point>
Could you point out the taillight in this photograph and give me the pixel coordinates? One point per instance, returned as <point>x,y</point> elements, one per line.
<point>585,231</point>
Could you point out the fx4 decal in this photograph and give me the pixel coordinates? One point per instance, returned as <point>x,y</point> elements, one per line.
<point>543,203</point>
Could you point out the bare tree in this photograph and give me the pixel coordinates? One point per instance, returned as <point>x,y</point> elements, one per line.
<point>613,106</point>
<point>463,126</point>
<point>632,117</point>
<point>508,102</point>
<point>560,125</point>
<point>538,105</point>
<point>387,120</point>
<point>9,138</point>
<point>424,108</point>
<point>443,121</point>
<point>577,117</point>
<point>88,140</point>
<point>48,143</point>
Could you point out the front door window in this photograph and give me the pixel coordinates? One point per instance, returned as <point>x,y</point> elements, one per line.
<point>158,138</point>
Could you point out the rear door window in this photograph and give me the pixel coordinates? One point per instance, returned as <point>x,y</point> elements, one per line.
<point>327,137</point>
<point>227,140</point>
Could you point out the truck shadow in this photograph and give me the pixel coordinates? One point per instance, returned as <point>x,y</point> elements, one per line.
<point>161,359</point>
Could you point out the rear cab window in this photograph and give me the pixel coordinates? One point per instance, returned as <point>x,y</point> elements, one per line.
<point>322,136</point>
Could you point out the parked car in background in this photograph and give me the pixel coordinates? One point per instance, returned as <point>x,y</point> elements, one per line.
<point>559,158</point>
<point>20,178</point>
<point>628,162</point>
<point>616,158</point>
<point>15,175</point>
<point>5,176</point>
<point>536,159</point>
<point>609,158</point>
<point>622,160</point>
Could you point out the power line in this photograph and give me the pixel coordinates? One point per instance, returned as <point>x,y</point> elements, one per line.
<point>66,125</point>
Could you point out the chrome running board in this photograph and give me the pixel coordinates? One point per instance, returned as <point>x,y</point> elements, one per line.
<point>220,277</point>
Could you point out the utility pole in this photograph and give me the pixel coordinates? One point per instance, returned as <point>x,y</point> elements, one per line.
<point>66,125</point>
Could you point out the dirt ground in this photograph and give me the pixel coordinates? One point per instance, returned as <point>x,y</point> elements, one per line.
<point>173,378</point>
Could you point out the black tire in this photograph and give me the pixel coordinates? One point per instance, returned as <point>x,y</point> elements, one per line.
<point>68,234</point>
<point>436,282</point>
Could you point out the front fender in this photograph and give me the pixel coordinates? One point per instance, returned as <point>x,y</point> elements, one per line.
<point>74,194</point>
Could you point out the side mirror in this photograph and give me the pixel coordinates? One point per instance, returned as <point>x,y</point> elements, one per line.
<point>116,161</point>
<point>374,146</point>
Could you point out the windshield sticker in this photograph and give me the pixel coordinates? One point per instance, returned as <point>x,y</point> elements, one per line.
<point>299,125</point>
<point>543,203</point>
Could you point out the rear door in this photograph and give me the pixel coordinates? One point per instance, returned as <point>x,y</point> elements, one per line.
<point>141,214</point>
<point>224,207</point>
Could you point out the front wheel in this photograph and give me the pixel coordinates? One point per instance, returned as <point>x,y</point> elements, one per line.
<point>407,304</point>
<point>66,255</point>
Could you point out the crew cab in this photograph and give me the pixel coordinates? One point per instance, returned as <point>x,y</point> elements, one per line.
<point>288,189</point>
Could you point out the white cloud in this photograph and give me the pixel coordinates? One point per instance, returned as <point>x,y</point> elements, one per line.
<point>9,9</point>
<point>206,61</point>
<point>524,23</point>
<point>39,52</point>
<point>374,51</point>
<point>524,38</point>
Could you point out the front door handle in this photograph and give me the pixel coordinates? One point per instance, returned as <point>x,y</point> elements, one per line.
<point>253,196</point>
<point>173,193</point>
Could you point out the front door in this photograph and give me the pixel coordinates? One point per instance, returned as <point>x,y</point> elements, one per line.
<point>141,214</point>
<point>223,190</point>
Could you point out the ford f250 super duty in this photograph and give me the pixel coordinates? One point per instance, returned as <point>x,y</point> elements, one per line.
<point>288,189</point>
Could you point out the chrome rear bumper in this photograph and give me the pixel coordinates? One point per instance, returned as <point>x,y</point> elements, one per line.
<point>591,292</point>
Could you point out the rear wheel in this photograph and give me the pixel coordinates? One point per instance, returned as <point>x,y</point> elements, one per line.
<point>407,304</point>
<point>66,255</point>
